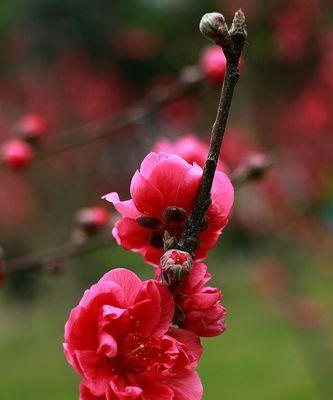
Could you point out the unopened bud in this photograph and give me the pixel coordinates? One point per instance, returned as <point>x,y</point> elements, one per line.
<point>213,26</point>
<point>174,214</point>
<point>92,219</point>
<point>32,127</point>
<point>238,28</point>
<point>176,264</point>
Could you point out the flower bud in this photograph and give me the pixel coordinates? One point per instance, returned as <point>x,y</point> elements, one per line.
<point>174,214</point>
<point>91,219</point>
<point>213,26</point>
<point>176,264</point>
<point>32,127</point>
<point>16,154</point>
<point>149,222</point>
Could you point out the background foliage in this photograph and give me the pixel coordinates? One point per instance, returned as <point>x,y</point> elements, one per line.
<point>75,62</point>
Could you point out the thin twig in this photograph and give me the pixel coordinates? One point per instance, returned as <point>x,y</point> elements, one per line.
<point>54,256</point>
<point>231,41</point>
<point>155,100</point>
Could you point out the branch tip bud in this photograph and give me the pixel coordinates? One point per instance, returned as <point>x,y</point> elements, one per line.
<point>238,27</point>
<point>213,27</point>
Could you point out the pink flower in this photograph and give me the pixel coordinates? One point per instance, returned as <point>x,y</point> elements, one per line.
<point>189,147</point>
<point>213,64</point>
<point>118,339</point>
<point>164,181</point>
<point>198,307</point>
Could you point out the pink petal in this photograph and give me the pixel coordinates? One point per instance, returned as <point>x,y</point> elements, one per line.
<point>147,198</point>
<point>190,340</point>
<point>150,161</point>
<point>128,281</point>
<point>85,393</point>
<point>187,387</point>
<point>152,256</point>
<point>130,235</point>
<point>124,391</point>
<point>125,208</point>
<point>95,371</point>
<point>177,180</point>
<point>152,389</point>
<point>107,345</point>
<point>222,200</point>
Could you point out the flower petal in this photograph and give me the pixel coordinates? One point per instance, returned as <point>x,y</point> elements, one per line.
<point>125,208</point>
<point>147,198</point>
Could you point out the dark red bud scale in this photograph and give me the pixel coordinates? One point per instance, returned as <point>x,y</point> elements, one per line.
<point>149,222</point>
<point>156,240</point>
<point>174,214</point>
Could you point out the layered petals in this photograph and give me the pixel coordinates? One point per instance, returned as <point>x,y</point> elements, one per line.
<point>119,340</point>
<point>167,180</point>
<point>198,307</point>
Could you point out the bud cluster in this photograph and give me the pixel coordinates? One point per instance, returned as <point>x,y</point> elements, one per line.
<point>18,152</point>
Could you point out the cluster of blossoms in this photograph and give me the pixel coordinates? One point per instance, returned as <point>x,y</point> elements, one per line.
<point>130,339</point>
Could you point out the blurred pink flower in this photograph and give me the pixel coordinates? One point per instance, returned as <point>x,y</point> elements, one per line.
<point>16,154</point>
<point>189,147</point>
<point>118,339</point>
<point>166,180</point>
<point>92,218</point>
<point>213,64</point>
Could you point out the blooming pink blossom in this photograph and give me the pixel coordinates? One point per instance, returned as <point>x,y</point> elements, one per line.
<point>189,147</point>
<point>166,180</point>
<point>119,340</point>
<point>198,307</point>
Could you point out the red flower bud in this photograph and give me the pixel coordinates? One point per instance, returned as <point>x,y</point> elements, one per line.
<point>32,126</point>
<point>16,154</point>
<point>176,264</point>
<point>213,26</point>
<point>91,219</point>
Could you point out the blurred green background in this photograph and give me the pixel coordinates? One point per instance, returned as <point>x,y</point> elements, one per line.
<point>76,62</point>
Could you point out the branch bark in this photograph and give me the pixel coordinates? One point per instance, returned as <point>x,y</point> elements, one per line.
<point>232,42</point>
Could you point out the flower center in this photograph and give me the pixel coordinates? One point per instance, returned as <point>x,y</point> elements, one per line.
<point>135,355</point>
<point>172,224</point>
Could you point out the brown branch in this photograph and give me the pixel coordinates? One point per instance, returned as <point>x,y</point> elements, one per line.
<point>155,100</point>
<point>47,258</point>
<point>231,41</point>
